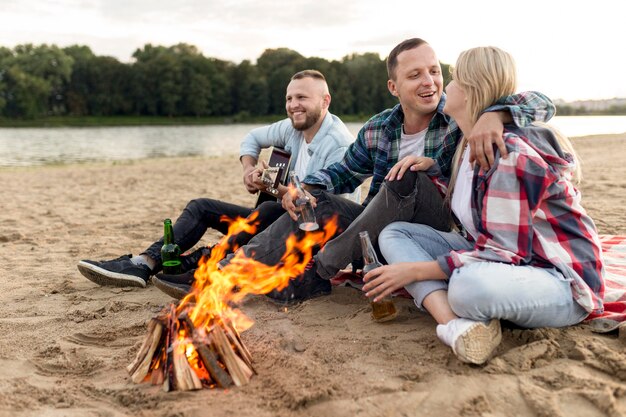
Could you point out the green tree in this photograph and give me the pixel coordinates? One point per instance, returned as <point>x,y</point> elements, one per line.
<point>249,90</point>
<point>368,75</point>
<point>99,85</point>
<point>158,77</point>
<point>277,66</point>
<point>50,64</point>
<point>25,95</point>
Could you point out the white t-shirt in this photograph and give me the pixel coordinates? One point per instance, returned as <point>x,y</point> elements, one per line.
<point>412,144</point>
<point>461,202</point>
<point>302,160</point>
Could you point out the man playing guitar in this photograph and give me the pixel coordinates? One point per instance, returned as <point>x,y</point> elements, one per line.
<point>312,136</point>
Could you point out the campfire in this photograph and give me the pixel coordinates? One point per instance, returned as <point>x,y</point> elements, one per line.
<point>196,344</point>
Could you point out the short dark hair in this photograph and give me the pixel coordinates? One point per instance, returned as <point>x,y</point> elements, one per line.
<point>310,73</point>
<point>392,59</point>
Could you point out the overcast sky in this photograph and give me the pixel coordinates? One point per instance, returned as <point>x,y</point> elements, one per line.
<point>566,49</point>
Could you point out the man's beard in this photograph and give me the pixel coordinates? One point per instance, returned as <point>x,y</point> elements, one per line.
<point>311,118</point>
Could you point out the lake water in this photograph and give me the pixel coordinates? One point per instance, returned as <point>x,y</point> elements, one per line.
<point>42,146</point>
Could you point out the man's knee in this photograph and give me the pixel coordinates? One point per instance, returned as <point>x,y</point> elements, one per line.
<point>200,208</point>
<point>324,203</point>
<point>410,182</point>
<point>319,194</point>
<point>195,205</point>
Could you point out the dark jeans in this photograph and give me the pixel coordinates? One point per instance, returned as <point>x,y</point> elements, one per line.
<point>203,213</point>
<point>414,199</point>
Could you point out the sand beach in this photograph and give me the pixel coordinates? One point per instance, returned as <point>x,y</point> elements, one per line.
<point>66,342</point>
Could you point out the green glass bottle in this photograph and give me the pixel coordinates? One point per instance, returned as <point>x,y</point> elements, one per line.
<point>170,251</point>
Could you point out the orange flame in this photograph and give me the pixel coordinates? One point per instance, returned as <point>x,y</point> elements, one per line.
<point>216,292</point>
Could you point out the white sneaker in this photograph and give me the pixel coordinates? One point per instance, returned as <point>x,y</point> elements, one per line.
<point>471,341</point>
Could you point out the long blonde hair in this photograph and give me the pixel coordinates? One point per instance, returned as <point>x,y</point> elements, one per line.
<point>485,74</point>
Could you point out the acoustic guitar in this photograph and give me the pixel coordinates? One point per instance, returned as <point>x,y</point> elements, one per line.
<point>276,174</point>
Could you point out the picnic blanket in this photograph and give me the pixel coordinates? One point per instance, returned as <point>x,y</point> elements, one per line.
<point>614,253</point>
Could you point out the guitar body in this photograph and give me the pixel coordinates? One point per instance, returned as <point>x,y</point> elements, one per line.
<point>278,174</point>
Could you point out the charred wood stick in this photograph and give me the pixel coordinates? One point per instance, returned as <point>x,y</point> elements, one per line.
<point>157,377</point>
<point>247,371</point>
<point>143,350</point>
<point>169,383</point>
<point>228,356</point>
<point>144,367</point>
<point>230,326</point>
<point>234,338</point>
<point>158,358</point>
<point>191,328</point>
<point>186,378</point>
<point>209,359</point>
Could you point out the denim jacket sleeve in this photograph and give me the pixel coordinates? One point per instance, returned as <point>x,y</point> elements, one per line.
<point>276,134</point>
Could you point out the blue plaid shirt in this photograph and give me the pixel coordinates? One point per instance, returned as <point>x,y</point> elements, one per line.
<point>377,145</point>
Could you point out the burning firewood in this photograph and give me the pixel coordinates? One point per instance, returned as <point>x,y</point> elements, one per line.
<point>179,357</point>
<point>196,344</point>
<point>140,367</point>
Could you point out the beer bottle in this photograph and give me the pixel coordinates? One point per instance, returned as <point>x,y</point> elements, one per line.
<point>382,310</point>
<point>306,215</point>
<point>170,251</point>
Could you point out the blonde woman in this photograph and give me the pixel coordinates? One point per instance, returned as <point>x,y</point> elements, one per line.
<point>528,252</point>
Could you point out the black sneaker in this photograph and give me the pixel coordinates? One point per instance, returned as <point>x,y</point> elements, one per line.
<point>174,289</point>
<point>190,262</point>
<point>120,272</point>
<point>185,278</point>
<point>306,286</point>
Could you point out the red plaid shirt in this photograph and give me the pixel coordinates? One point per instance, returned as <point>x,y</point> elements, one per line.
<point>528,212</point>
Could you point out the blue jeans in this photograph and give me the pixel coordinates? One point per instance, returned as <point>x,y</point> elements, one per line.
<point>525,295</point>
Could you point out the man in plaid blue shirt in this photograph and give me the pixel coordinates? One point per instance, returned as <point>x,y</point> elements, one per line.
<point>400,145</point>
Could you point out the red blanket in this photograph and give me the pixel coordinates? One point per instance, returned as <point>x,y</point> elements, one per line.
<point>614,253</point>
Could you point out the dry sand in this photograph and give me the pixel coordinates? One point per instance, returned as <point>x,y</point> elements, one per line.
<point>66,341</point>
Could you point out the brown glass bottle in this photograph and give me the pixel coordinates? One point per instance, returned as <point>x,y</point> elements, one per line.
<point>382,310</point>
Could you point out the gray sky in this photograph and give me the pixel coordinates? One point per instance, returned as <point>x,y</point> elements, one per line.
<point>566,49</point>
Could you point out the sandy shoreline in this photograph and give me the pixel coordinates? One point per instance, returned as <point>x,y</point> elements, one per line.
<point>66,342</point>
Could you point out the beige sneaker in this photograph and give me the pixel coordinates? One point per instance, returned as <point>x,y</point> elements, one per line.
<point>477,343</point>
<point>471,341</point>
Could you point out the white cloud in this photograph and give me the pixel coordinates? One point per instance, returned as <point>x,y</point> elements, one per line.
<point>566,50</point>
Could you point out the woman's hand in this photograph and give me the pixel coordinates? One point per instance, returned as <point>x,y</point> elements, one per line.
<point>413,163</point>
<point>383,281</point>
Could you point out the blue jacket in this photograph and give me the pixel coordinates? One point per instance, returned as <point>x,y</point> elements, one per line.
<point>327,147</point>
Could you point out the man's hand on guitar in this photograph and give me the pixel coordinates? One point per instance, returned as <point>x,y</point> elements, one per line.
<point>248,180</point>
<point>289,199</point>
<point>252,179</point>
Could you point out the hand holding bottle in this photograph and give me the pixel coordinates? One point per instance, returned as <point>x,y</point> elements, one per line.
<point>299,203</point>
<point>383,308</point>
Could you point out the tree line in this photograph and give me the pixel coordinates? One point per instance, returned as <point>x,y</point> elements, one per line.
<point>46,80</point>
<point>179,81</point>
